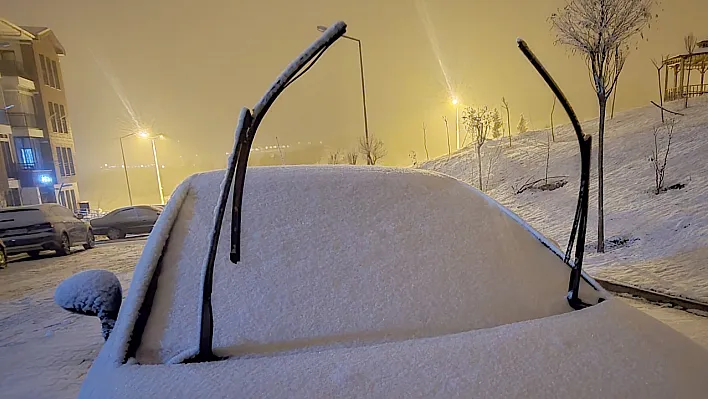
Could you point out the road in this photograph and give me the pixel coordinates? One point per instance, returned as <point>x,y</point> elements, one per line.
<point>45,352</point>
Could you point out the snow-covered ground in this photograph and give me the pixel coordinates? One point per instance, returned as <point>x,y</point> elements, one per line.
<point>666,235</point>
<point>45,351</point>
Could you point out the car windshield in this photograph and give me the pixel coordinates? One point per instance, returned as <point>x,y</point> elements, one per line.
<point>13,218</point>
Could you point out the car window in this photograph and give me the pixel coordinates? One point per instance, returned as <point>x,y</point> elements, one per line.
<point>125,213</point>
<point>12,218</point>
<point>63,212</point>
<point>146,212</point>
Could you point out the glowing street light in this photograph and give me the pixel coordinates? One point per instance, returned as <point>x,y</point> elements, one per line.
<point>144,135</point>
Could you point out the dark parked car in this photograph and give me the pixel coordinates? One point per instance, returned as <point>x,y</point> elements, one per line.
<point>36,228</point>
<point>130,220</point>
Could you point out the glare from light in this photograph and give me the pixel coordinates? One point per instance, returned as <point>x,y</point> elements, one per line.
<point>455,101</point>
<point>143,134</point>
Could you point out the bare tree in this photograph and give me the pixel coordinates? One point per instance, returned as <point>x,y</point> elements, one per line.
<point>280,151</point>
<point>352,157</point>
<point>414,158</point>
<point>334,157</point>
<point>508,117</point>
<point>374,149</point>
<point>602,32</point>
<point>492,160</point>
<point>478,122</point>
<point>548,157</point>
<point>659,163</point>
<point>447,133</point>
<point>659,66</point>
<point>690,43</point>
<point>522,126</point>
<point>425,143</point>
<point>553,109</point>
<point>497,124</point>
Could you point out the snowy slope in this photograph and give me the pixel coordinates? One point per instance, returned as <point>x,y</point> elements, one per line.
<point>668,233</point>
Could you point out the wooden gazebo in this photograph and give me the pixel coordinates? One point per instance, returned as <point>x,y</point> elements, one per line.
<point>680,65</point>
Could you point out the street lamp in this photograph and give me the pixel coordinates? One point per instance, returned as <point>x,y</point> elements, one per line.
<point>456,103</point>
<point>144,135</point>
<point>369,161</point>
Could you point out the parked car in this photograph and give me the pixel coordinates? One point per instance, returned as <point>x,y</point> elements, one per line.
<point>37,228</point>
<point>129,220</point>
<point>367,282</point>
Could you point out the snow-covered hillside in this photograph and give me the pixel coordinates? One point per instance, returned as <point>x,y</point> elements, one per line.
<point>654,241</point>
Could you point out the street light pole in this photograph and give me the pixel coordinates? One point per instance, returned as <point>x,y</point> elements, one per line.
<point>369,161</point>
<point>157,170</point>
<point>125,168</point>
<point>456,103</point>
<point>457,124</point>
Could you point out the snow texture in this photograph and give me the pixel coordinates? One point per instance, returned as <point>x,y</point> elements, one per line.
<point>93,293</point>
<point>381,283</point>
<point>658,242</point>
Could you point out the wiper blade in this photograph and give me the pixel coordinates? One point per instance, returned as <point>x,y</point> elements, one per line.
<point>581,210</point>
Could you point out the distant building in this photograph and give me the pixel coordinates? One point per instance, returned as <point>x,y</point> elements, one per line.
<point>36,143</point>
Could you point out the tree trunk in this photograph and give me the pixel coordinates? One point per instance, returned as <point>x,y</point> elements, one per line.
<point>600,172</point>
<point>508,125</point>
<point>703,75</point>
<point>479,166</point>
<point>661,97</point>
<point>553,133</point>
<point>688,83</point>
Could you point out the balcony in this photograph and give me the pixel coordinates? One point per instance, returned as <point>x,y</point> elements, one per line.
<point>21,119</point>
<point>23,124</point>
<point>31,174</point>
<point>13,68</point>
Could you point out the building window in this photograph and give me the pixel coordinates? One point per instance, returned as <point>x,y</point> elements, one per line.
<point>51,74</point>
<point>72,194</point>
<point>43,65</point>
<point>55,72</point>
<point>7,157</point>
<point>66,162</point>
<point>28,158</point>
<point>58,118</point>
<point>52,116</point>
<point>70,160</point>
<point>60,161</point>
<point>62,115</point>
<point>62,198</point>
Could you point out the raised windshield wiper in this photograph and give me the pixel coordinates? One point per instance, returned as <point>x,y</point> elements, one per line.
<point>238,161</point>
<point>581,211</point>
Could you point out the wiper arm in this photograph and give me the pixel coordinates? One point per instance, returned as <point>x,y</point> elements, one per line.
<point>236,173</point>
<point>581,211</point>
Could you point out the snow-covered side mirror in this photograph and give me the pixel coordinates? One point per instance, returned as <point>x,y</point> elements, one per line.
<point>92,293</point>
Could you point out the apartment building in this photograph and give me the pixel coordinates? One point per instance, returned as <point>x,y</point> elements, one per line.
<point>36,142</point>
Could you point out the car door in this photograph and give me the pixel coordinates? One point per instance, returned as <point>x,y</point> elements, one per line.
<point>126,220</point>
<point>74,227</point>
<point>147,217</point>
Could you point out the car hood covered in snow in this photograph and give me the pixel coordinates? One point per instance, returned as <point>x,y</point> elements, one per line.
<point>380,283</point>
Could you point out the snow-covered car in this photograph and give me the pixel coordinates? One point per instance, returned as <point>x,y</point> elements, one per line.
<point>45,227</point>
<point>338,281</point>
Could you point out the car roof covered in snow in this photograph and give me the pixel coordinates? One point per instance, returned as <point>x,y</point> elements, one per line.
<point>384,282</point>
